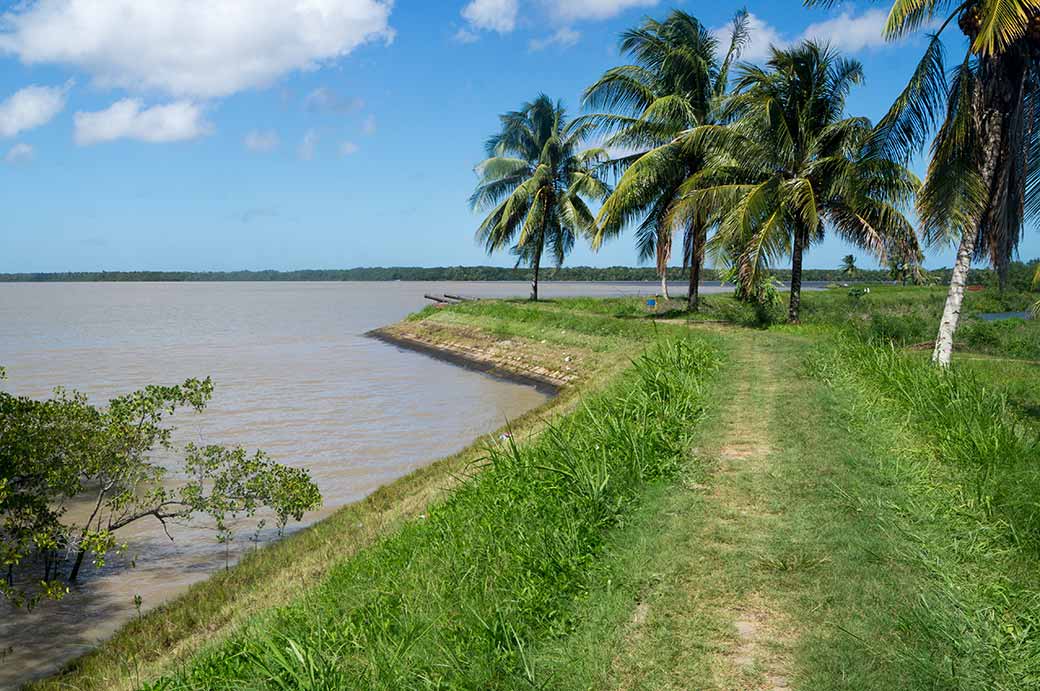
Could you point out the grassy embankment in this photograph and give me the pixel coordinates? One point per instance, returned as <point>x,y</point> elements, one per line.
<point>208,612</point>
<point>848,518</point>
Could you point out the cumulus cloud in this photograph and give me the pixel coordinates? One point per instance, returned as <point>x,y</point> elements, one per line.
<point>348,148</point>
<point>849,32</point>
<point>329,100</point>
<point>30,107</point>
<point>504,15</point>
<point>261,141</point>
<point>129,119</point>
<point>191,49</point>
<point>846,32</point>
<point>562,38</point>
<point>19,153</point>
<point>308,145</point>
<point>491,15</point>
<point>575,10</point>
<point>464,35</point>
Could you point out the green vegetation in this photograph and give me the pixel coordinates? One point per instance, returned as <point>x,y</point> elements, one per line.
<point>1021,275</point>
<point>790,163</point>
<point>535,183</point>
<point>739,507</point>
<point>459,598</point>
<point>982,180</point>
<point>647,107</point>
<point>54,451</point>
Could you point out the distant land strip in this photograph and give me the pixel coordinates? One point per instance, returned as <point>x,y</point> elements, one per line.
<point>466,273</point>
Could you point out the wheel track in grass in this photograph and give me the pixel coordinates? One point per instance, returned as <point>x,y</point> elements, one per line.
<point>708,620</point>
<point>755,658</point>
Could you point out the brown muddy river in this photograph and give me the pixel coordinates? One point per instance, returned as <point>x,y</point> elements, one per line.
<point>294,376</point>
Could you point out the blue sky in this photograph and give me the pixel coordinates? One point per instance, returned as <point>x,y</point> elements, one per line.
<point>314,133</point>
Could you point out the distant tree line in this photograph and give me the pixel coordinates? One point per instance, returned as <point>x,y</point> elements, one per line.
<point>1020,275</point>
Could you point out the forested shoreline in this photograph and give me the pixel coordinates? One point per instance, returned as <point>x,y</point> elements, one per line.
<point>1020,275</point>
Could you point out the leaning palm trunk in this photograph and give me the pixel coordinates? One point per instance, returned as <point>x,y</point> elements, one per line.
<point>943,352</point>
<point>954,299</point>
<point>664,285</point>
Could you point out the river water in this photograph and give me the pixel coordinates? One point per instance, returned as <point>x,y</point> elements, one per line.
<point>294,376</point>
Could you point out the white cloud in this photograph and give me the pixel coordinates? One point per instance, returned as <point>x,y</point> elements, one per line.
<point>368,127</point>
<point>129,119</point>
<point>504,15</point>
<point>261,141</point>
<point>845,32</point>
<point>573,10</point>
<point>307,145</point>
<point>30,107</point>
<point>491,15</point>
<point>563,38</point>
<point>760,37</point>
<point>325,99</point>
<point>465,36</point>
<point>850,33</point>
<point>191,49</point>
<point>19,153</point>
<point>348,148</point>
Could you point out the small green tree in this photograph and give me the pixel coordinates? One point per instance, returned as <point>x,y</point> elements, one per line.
<point>63,448</point>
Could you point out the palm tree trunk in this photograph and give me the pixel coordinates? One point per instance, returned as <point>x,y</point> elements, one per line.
<point>693,299</point>
<point>696,238</point>
<point>954,299</point>
<point>664,285</point>
<point>535,263</point>
<point>795,304</point>
<point>951,316</point>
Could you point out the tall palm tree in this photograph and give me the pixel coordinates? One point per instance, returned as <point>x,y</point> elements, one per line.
<point>534,183</point>
<point>983,179</point>
<point>791,163</point>
<point>668,88</point>
<point>848,265</point>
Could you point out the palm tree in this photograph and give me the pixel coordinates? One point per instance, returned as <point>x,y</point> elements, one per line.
<point>791,163</point>
<point>983,179</point>
<point>848,265</point>
<point>534,182</point>
<point>668,89</point>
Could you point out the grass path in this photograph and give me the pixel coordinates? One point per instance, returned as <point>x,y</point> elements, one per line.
<point>758,576</point>
<point>703,617</point>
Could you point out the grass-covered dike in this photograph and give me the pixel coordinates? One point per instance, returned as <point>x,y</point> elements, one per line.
<point>711,502</point>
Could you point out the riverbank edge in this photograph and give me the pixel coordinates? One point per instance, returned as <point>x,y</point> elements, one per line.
<point>165,637</point>
<point>448,352</point>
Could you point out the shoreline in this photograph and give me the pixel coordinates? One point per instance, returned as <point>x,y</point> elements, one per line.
<point>461,358</point>
<point>215,607</point>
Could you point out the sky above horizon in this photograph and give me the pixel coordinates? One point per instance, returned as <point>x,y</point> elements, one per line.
<point>289,134</point>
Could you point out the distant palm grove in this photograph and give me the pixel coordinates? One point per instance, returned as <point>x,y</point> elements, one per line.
<point>751,164</point>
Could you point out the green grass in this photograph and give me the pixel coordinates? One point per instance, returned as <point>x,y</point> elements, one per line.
<point>458,598</point>
<point>960,515</point>
<point>874,517</point>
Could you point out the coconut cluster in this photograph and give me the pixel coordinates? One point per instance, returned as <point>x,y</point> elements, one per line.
<point>970,22</point>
